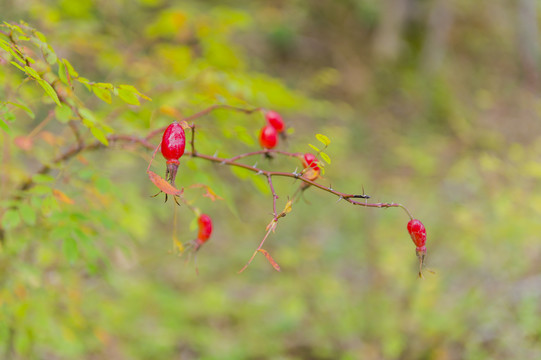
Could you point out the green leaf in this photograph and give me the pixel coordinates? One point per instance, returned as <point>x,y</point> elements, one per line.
<point>85,82</point>
<point>134,90</point>
<point>62,72</point>
<point>325,157</point>
<point>5,45</point>
<point>40,36</point>
<point>33,73</point>
<point>128,96</point>
<point>28,214</point>
<point>42,178</point>
<point>102,93</point>
<point>99,135</point>
<point>323,139</point>
<point>18,66</point>
<point>8,116</point>
<point>49,54</point>
<point>4,126</point>
<point>11,219</point>
<point>23,107</point>
<point>50,91</point>
<point>63,113</point>
<point>71,70</point>
<point>313,147</point>
<point>40,190</point>
<point>87,115</point>
<point>69,248</point>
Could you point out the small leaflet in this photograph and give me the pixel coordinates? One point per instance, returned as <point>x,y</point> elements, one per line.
<point>271,260</point>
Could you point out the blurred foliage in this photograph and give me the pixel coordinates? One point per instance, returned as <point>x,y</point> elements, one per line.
<point>450,127</point>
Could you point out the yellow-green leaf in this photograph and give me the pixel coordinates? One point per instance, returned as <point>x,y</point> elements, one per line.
<point>62,72</point>
<point>33,73</point>
<point>323,139</point>
<point>71,70</point>
<point>50,91</point>
<point>63,113</point>
<point>102,93</point>
<point>11,219</point>
<point>17,65</point>
<point>325,157</point>
<point>23,107</point>
<point>28,214</point>
<point>313,147</point>
<point>99,135</point>
<point>128,96</point>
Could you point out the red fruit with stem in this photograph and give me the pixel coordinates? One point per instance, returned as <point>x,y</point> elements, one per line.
<point>275,120</point>
<point>310,161</point>
<point>417,231</point>
<point>173,145</point>
<point>205,230</point>
<point>268,137</point>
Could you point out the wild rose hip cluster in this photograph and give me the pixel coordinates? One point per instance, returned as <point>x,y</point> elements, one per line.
<point>268,136</point>
<point>173,148</point>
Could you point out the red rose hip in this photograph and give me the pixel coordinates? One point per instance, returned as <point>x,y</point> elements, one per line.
<point>205,230</point>
<point>275,120</point>
<point>310,161</point>
<point>173,145</point>
<point>268,137</point>
<point>417,232</point>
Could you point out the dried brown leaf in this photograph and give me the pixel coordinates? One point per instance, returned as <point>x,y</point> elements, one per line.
<point>163,185</point>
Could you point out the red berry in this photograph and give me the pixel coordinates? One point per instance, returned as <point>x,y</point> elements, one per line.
<point>173,143</point>
<point>205,228</point>
<point>310,160</point>
<point>275,120</point>
<point>417,232</point>
<point>268,137</point>
<point>311,172</point>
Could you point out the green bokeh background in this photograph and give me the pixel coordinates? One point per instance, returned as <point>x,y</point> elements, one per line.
<point>434,106</point>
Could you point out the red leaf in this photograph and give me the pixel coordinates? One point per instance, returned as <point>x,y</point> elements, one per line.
<point>271,260</point>
<point>163,185</point>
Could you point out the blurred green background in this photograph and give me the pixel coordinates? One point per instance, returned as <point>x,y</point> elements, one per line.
<point>433,104</point>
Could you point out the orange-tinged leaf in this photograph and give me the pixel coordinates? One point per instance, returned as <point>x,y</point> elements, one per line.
<point>163,185</point>
<point>60,196</point>
<point>49,138</point>
<point>209,192</point>
<point>24,142</point>
<point>171,111</point>
<point>271,260</point>
<point>82,160</point>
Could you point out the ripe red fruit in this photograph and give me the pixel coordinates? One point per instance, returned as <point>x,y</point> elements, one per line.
<point>275,120</point>
<point>417,232</point>
<point>173,145</point>
<point>268,137</point>
<point>205,230</point>
<point>310,160</point>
